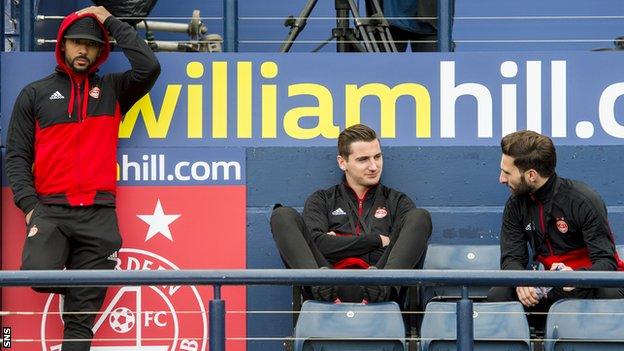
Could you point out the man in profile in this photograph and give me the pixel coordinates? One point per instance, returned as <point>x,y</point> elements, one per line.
<point>358,223</point>
<point>563,221</point>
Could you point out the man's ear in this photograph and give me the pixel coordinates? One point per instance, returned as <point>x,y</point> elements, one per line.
<point>341,162</point>
<point>533,175</point>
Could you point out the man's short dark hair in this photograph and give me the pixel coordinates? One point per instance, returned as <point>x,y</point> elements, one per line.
<point>357,132</point>
<point>531,150</point>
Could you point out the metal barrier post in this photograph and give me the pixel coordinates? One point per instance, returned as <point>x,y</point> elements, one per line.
<point>2,24</point>
<point>27,25</point>
<point>217,321</point>
<point>445,25</point>
<point>230,25</point>
<point>465,332</point>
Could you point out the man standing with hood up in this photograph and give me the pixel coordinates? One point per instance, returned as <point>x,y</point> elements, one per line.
<point>61,158</point>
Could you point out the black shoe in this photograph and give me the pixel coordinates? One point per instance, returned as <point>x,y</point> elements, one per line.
<point>376,293</point>
<point>324,293</point>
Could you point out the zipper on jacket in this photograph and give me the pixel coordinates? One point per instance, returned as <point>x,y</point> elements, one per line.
<point>78,98</point>
<point>80,118</point>
<point>360,208</point>
<point>540,207</point>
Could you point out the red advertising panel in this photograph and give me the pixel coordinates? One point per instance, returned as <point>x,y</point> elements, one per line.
<point>177,209</point>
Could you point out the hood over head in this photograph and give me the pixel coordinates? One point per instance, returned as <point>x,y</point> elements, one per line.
<point>62,65</point>
<point>70,20</point>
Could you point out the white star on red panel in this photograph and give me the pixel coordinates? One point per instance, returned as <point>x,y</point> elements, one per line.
<point>159,222</point>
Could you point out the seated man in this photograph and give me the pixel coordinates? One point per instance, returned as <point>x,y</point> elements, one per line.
<point>358,223</point>
<point>564,221</point>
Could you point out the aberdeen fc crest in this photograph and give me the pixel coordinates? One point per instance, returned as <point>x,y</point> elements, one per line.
<point>95,93</point>
<point>562,226</point>
<point>139,318</point>
<point>381,212</point>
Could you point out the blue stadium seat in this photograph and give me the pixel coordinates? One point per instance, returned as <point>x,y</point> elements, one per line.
<point>474,257</point>
<point>350,326</point>
<point>620,250</point>
<point>585,325</point>
<point>498,326</point>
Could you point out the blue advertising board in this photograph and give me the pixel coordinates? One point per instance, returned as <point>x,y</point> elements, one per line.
<point>431,99</point>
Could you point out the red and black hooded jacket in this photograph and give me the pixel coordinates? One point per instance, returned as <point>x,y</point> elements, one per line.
<point>62,138</point>
<point>563,221</point>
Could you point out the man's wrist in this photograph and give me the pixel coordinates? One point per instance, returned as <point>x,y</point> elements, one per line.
<point>108,20</point>
<point>27,203</point>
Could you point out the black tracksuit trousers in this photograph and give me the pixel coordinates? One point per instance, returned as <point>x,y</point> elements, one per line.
<point>406,250</point>
<point>73,238</point>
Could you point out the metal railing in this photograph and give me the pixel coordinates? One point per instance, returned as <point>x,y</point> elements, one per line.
<point>230,25</point>
<point>218,278</point>
<point>231,22</point>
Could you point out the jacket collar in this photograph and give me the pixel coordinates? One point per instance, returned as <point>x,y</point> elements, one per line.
<point>545,192</point>
<point>348,190</point>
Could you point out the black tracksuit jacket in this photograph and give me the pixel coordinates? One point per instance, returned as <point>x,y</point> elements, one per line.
<point>563,221</point>
<point>357,222</point>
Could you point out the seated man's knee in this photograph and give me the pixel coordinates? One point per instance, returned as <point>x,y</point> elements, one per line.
<point>284,214</point>
<point>283,218</point>
<point>421,217</point>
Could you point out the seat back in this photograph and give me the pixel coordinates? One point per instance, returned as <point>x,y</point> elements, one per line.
<point>474,257</point>
<point>350,326</point>
<point>620,251</point>
<point>500,326</point>
<point>585,325</point>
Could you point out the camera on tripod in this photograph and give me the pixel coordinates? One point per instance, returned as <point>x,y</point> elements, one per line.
<point>371,34</point>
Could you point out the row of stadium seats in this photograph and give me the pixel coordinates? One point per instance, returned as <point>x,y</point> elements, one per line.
<point>471,257</point>
<point>571,324</point>
<point>579,325</point>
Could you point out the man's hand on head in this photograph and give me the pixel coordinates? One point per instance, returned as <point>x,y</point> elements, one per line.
<point>99,11</point>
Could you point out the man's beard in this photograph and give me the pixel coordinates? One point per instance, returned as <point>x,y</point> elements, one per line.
<point>523,188</point>
<point>80,69</point>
